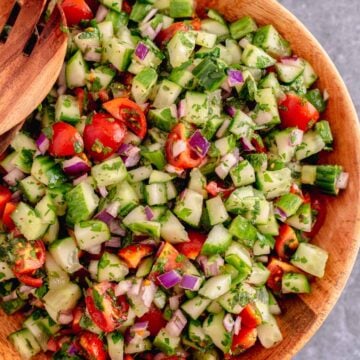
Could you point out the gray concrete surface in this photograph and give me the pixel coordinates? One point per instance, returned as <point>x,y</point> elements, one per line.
<point>336,24</point>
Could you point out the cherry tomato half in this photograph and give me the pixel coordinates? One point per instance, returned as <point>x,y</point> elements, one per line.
<point>93,346</point>
<point>6,217</point>
<point>75,11</point>
<point>156,320</point>
<point>66,140</point>
<point>29,256</point>
<point>192,248</point>
<point>286,242</point>
<point>103,136</point>
<point>5,196</point>
<point>244,340</point>
<point>133,254</point>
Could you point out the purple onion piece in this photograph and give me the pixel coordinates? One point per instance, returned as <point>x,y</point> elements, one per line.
<point>176,324</point>
<point>141,51</point>
<point>228,323</point>
<point>104,216</point>
<point>169,279</point>
<point>181,110</point>
<point>174,302</point>
<point>124,148</point>
<point>235,77</point>
<point>114,242</point>
<point>139,326</point>
<point>113,209</point>
<point>12,177</point>
<point>101,13</point>
<point>237,325</point>
<point>115,228</point>
<point>42,143</point>
<point>150,15</point>
<point>190,282</point>
<point>199,143</point>
<point>75,166</point>
<point>80,179</point>
<point>280,214</point>
<point>231,110</point>
<point>149,213</point>
<point>247,145</point>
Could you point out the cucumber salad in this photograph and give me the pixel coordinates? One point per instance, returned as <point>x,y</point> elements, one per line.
<point>164,196</point>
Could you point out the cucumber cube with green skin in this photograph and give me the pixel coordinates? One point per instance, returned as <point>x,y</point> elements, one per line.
<point>209,74</point>
<point>274,183</point>
<point>237,298</point>
<point>32,189</point>
<point>295,283</point>
<point>271,81</point>
<point>57,194</point>
<point>217,242</point>
<point>62,299</point>
<point>28,222</point>
<point>140,10</point>
<point>67,109</point>
<point>164,118</point>
<point>214,328</point>
<point>111,268</point>
<point>181,8</point>
<point>155,157</point>
<point>155,194</point>
<point>254,56</point>
<point>216,210</point>
<point>216,286</point>
<point>195,306</point>
<point>115,342</point>
<point>302,220</point>
<point>182,76</point>
<point>100,78</point>
<point>88,42</point>
<point>269,39</point>
<point>5,272</point>
<point>239,257</point>
<point>242,125</point>
<point>289,204</point>
<point>312,144</point>
<point>197,334</point>
<point>198,182</point>
<point>23,160</point>
<point>267,112</point>
<point>311,259</point>
<point>25,343</point>
<point>309,74</point>
<point>243,230</point>
<point>243,174</point>
<point>259,275</point>
<point>139,174</point>
<point>189,207</point>
<point>143,84</point>
<point>166,343</point>
<point>82,203</point>
<point>205,39</point>
<point>172,230</point>
<point>52,232</point>
<point>75,71</point>
<point>125,196</point>
<point>258,161</point>
<point>323,129</point>
<point>288,73</point>
<point>46,210</point>
<point>242,27</point>
<point>181,47</point>
<point>117,53</point>
<point>115,5</point>
<point>65,253</point>
<point>12,306</point>
<point>269,333</point>
<point>57,277</point>
<point>22,141</point>
<point>137,222</point>
<point>91,233</point>
<point>47,171</point>
<point>109,172</point>
<point>197,108</point>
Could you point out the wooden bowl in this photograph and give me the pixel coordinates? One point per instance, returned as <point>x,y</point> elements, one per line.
<point>340,235</point>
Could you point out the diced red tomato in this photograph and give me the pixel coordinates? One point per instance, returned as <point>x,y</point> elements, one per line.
<point>65,141</point>
<point>250,316</point>
<point>277,269</point>
<point>167,34</point>
<point>244,340</point>
<point>156,320</point>
<point>29,257</point>
<point>78,312</point>
<point>126,7</point>
<point>286,242</point>
<point>105,310</point>
<point>6,217</point>
<point>258,143</point>
<point>56,342</point>
<point>188,159</point>
<point>296,111</point>
<point>29,280</point>
<point>215,188</point>
<point>129,113</point>
<point>133,254</point>
<point>75,11</point>
<point>93,346</point>
<point>5,196</point>
<point>318,206</point>
<point>103,136</point>
<point>192,248</point>
<point>128,357</point>
<point>81,97</point>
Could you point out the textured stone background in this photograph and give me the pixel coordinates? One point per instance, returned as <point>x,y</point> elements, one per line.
<point>336,24</point>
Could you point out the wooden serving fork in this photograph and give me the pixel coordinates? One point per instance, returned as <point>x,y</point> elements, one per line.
<point>32,51</point>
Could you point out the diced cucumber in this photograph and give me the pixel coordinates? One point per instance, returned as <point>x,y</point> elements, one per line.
<point>62,299</point>
<point>181,47</point>
<point>145,267</point>
<point>243,27</point>
<point>155,194</point>
<point>311,259</point>
<point>242,125</point>
<point>28,222</point>
<point>189,207</point>
<point>215,27</point>
<point>22,141</point>
<point>5,272</point>
<point>32,189</point>
<point>125,196</point>
<point>25,343</point>
<point>47,171</point>
<point>216,286</point>
<point>109,172</point>
<point>106,29</point>
<point>100,78</point>
<point>259,275</point>
<point>115,343</point>
<point>269,39</point>
<point>267,113</point>
<point>269,333</point>
<point>271,81</point>
<point>181,8</point>
<point>82,203</point>
<point>137,221</point>
<point>312,144</point>
<point>197,108</point>
<point>143,84</point>
<point>76,70</point>
<point>289,72</point>
<point>295,283</point>
<point>67,109</point>
<point>117,52</point>
<point>243,174</point>
<point>239,257</point>
<point>274,183</point>
<point>140,10</point>
<point>66,254</point>
<point>225,145</point>
<point>46,210</point>
<point>216,211</point>
<point>274,307</point>
<point>167,94</point>
<point>195,306</point>
<point>111,268</point>
<point>234,50</point>
<point>52,232</point>
<point>254,56</point>
<point>115,5</point>
<point>243,230</point>
<point>214,328</point>
<point>217,242</point>
<point>57,277</point>
<point>7,163</point>
<point>289,203</point>
<point>139,174</point>
<point>172,230</point>
<point>237,298</point>
<point>309,74</point>
<point>57,194</point>
<point>197,334</point>
<point>205,39</point>
<point>91,233</point>
<point>271,227</point>
<point>210,74</point>
<point>166,343</point>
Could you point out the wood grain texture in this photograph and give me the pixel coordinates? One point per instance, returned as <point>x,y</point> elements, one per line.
<point>341,232</point>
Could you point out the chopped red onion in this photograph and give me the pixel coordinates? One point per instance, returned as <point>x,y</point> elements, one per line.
<point>61,90</point>
<point>114,242</point>
<point>176,324</point>
<point>296,137</point>
<point>124,148</point>
<point>12,177</point>
<point>228,323</point>
<point>65,318</point>
<point>226,87</point>
<point>149,213</point>
<point>76,166</point>
<point>237,325</point>
<point>147,30</point>
<point>113,208</point>
<point>147,293</point>
<point>104,216</point>
<point>173,170</point>
<point>12,296</point>
<point>95,250</point>
<point>93,55</point>
<point>290,60</point>
<point>178,147</point>
<point>103,191</point>
<point>80,179</point>
<point>133,158</point>
<point>122,287</point>
<point>169,279</point>
<point>25,289</point>
<point>141,51</point>
<point>231,110</point>
<point>135,287</point>
<point>235,77</point>
<point>16,196</point>
<point>247,145</point>
<point>42,143</point>
<point>342,181</point>
<point>281,215</point>
<point>149,16</point>
<point>139,328</point>
<point>211,268</point>
<point>181,110</point>
<point>222,130</point>
<point>101,13</point>
<point>190,282</point>
<point>115,228</point>
<point>174,302</point>
<point>199,143</point>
